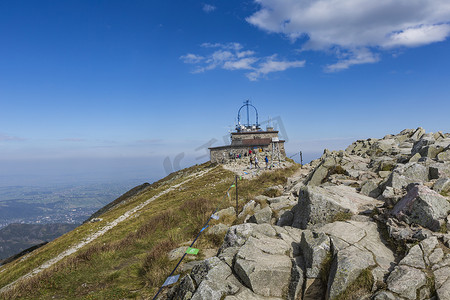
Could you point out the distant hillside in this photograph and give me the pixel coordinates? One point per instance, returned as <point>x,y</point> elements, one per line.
<point>123,254</point>
<point>17,237</point>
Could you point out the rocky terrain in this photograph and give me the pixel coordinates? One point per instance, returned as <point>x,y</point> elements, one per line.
<point>369,222</point>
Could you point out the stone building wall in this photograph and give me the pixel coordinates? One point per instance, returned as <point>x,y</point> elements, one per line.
<point>253,135</point>
<point>226,153</point>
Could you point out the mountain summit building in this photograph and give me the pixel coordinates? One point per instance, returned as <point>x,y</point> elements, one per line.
<point>249,137</point>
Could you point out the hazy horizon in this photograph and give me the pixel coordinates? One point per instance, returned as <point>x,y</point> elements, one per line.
<point>122,90</point>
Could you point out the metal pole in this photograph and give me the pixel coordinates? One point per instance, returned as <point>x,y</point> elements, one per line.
<point>236,179</point>
<point>301,159</point>
<point>248,118</point>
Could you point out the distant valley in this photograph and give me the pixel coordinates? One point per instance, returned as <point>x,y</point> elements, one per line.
<point>15,238</point>
<point>69,203</point>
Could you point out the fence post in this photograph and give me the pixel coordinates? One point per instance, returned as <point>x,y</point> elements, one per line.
<point>301,159</point>
<point>236,182</point>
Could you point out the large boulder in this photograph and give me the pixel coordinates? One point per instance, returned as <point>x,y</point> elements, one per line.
<point>262,216</point>
<point>357,247</point>
<point>320,205</point>
<point>442,185</point>
<point>403,175</point>
<point>439,170</point>
<point>318,175</point>
<point>262,265</point>
<point>370,188</point>
<point>405,281</point>
<point>444,155</point>
<point>315,248</point>
<point>422,206</point>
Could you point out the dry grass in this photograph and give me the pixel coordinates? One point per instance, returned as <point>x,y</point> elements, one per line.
<point>156,266</point>
<point>131,259</point>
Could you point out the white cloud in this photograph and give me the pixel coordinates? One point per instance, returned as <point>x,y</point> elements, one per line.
<point>272,65</point>
<point>231,57</point>
<point>244,63</point>
<point>353,57</point>
<point>418,36</point>
<point>191,58</point>
<point>356,24</point>
<point>207,8</point>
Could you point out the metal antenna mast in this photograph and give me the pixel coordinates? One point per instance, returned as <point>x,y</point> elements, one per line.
<point>248,125</point>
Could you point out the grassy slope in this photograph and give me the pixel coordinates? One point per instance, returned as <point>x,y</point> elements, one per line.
<point>130,261</point>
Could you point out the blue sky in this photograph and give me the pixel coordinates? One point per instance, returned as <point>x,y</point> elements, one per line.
<point>108,84</point>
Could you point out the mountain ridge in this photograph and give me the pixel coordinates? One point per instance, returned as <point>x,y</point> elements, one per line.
<point>294,233</point>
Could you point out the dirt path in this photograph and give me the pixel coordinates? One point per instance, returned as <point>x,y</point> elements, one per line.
<point>100,232</point>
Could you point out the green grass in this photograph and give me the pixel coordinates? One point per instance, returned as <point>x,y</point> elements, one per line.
<point>130,260</point>
<point>361,286</point>
<point>341,216</point>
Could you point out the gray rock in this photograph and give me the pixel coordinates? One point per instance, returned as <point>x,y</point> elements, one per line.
<point>237,235</point>
<point>319,174</point>
<point>415,172</point>
<point>442,185</point>
<point>346,267</point>
<point>278,199</point>
<point>444,155</point>
<point>431,151</point>
<point>286,219</point>
<point>214,280</point>
<point>439,170</point>
<point>406,145</point>
<point>406,281</point>
<point>248,208</point>
<point>296,282</point>
<point>415,158</point>
<point>385,295</point>
<point>418,133</point>
<point>428,245</point>
<point>262,216</point>
<point>442,281</point>
<point>444,291</point>
<point>188,266</point>
<point>226,212</point>
<point>422,206</point>
<point>319,205</point>
<point>261,198</point>
<point>315,248</point>
<point>356,245</point>
<point>217,229</point>
<point>262,265</point>
<point>200,271</point>
<point>405,174</point>
<point>183,291</point>
<point>396,181</point>
<point>246,294</point>
<point>282,205</point>
<point>384,174</point>
<point>370,188</point>
<point>414,258</point>
<point>436,256</point>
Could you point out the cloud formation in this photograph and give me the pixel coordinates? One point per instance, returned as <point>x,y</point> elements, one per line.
<point>355,29</point>
<point>207,8</point>
<point>232,57</point>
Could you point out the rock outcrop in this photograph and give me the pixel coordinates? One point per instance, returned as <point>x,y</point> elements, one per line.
<point>369,222</point>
